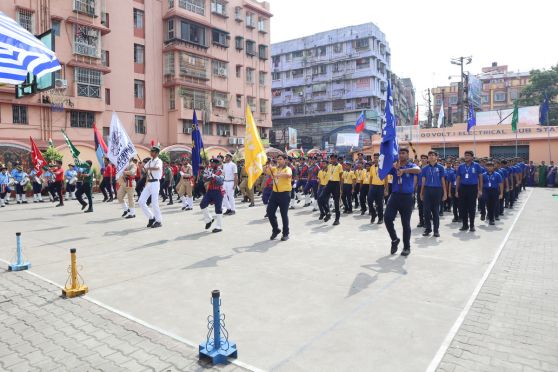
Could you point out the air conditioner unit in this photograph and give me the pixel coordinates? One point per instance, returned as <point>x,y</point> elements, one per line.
<point>220,103</point>
<point>188,130</point>
<point>227,133</point>
<point>222,71</point>
<point>301,94</point>
<point>240,141</point>
<point>232,141</point>
<point>59,83</point>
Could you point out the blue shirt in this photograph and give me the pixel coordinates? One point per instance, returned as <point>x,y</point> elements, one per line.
<point>48,176</point>
<point>4,178</point>
<point>18,175</point>
<point>407,185</point>
<point>450,176</point>
<point>433,175</point>
<point>469,174</point>
<point>491,181</point>
<point>69,174</point>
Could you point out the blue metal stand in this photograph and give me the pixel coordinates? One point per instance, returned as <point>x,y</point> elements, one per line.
<point>217,349</point>
<point>19,265</point>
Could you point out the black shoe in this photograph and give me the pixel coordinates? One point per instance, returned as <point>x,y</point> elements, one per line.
<point>41,201</point>
<point>125,213</point>
<point>59,205</point>
<point>151,222</point>
<point>216,230</point>
<point>321,216</point>
<point>497,218</point>
<point>284,238</point>
<point>88,211</point>
<point>164,199</point>
<point>472,229</point>
<point>130,216</point>
<point>274,234</point>
<point>491,223</point>
<point>336,222</point>
<point>483,217</point>
<point>83,206</point>
<point>104,200</point>
<point>380,221</point>
<point>183,208</point>
<point>406,252</point>
<point>373,219</point>
<point>436,234</point>
<point>362,213</point>
<point>208,225</point>
<point>426,232</point>
<point>110,200</point>
<point>170,203</point>
<point>251,205</point>
<point>421,224</point>
<point>232,213</point>
<point>464,228</point>
<point>455,220</point>
<point>394,245</point>
<point>350,212</point>
<point>266,216</point>
<point>327,217</point>
<point>156,225</point>
<point>227,212</point>
<point>291,207</point>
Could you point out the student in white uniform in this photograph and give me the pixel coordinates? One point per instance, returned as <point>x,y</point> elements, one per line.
<point>230,171</point>
<point>154,170</point>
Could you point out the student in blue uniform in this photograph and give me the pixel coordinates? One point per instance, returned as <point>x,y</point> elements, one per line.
<point>4,181</point>
<point>432,192</point>
<point>468,187</point>
<point>420,204</point>
<point>401,200</point>
<point>493,191</point>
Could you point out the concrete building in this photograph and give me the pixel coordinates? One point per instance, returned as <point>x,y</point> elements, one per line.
<point>500,88</point>
<point>153,62</point>
<point>403,100</point>
<point>322,82</point>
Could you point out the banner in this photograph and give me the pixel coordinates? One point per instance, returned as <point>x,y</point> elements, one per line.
<point>347,139</point>
<point>254,153</point>
<point>120,148</point>
<point>37,158</point>
<point>293,138</point>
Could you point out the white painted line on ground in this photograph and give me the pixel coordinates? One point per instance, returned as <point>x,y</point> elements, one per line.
<point>461,318</point>
<point>139,321</point>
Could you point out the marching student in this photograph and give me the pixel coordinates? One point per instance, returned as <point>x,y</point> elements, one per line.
<point>59,182</point>
<point>451,201</point>
<point>37,184</point>
<point>215,179</point>
<point>493,191</point>
<point>323,179</point>
<point>401,201</point>
<point>280,197</point>
<point>349,182</point>
<point>364,188</point>
<point>358,170</point>
<point>432,192</point>
<point>4,182</point>
<point>311,188</point>
<point>420,204</point>
<point>70,176</point>
<point>468,187</point>
<point>378,190</point>
<point>154,169</point>
<point>86,177</point>
<point>230,172</point>
<point>106,183</point>
<point>21,179</point>
<point>333,188</point>
<point>185,185</point>
<point>126,186</point>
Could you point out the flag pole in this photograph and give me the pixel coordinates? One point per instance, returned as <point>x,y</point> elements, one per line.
<point>516,142</point>
<point>475,139</point>
<point>444,135</point>
<point>548,135</point>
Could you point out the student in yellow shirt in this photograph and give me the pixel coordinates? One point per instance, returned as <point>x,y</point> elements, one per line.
<point>358,169</point>
<point>378,189</point>
<point>280,197</point>
<point>364,188</point>
<point>333,188</point>
<point>323,179</point>
<point>349,182</point>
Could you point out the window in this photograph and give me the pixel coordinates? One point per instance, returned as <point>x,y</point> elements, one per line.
<point>187,125</point>
<point>192,33</point>
<point>139,89</point>
<point>514,94</point>
<point>106,133</point>
<point>223,130</point>
<point>239,101</point>
<point>193,66</point>
<point>276,92</point>
<point>261,25</point>
<point>319,88</point>
<point>105,59</point>
<point>82,119</point>
<point>219,7</point>
<point>262,78</point>
<point>169,63</point>
<point>338,105</point>
<point>170,29</point>
<point>138,19</point>
<point>262,51</point>
<point>297,54</point>
<point>239,42</point>
<point>195,6</point>
<point>220,100</point>
<point>275,60</point>
<point>453,100</point>
<point>299,109</point>
<point>298,73</point>
<point>25,19</point>
<point>250,20</point>
<point>207,129</point>
<point>19,114</point>
<point>172,98</point>
<point>362,44</point>
<point>140,124</point>
<point>107,96</point>
<point>139,52</point>
<point>338,48</point>
<point>500,97</point>
<point>363,83</point>
<point>194,99</point>
<point>275,76</point>
<point>319,70</point>
<point>362,63</point>
<point>338,67</point>
<point>220,38</point>
<point>438,101</point>
<point>321,51</point>
<point>320,106</point>
<point>55,27</point>
<point>484,98</point>
<point>238,71</point>
<point>251,101</point>
<point>88,82</point>
<point>238,14</point>
<point>263,105</point>
<point>250,47</point>
<point>219,68</point>
<point>85,7</point>
<point>276,111</point>
<point>105,19</point>
<point>86,41</point>
<point>249,75</point>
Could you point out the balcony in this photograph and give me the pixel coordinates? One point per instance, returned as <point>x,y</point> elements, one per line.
<point>86,7</point>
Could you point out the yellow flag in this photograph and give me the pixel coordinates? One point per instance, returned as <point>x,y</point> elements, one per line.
<point>254,153</point>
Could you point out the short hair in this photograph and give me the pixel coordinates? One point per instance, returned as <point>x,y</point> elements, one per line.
<point>281,156</point>
<point>424,156</point>
<point>469,152</point>
<point>89,162</point>
<point>333,156</point>
<point>404,149</point>
<point>360,153</point>
<point>432,152</point>
<point>376,154</point>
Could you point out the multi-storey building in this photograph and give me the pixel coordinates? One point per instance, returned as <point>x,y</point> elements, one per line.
<point>153,63</point>
<point>403,100</point>
<point>322,82</point>
<point>500,88</point>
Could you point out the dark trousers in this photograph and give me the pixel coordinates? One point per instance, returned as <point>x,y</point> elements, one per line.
<point>85,189</point>
<point>491,195</point>
<point>509,199</point>
<point>215,197</point>
<point>140,184</point>
<point>70,188</point>
<point>58,188</point>
<point>356,194</point>
<point>420,205</point>
<point>402,203</point>
<point>386,198</point>
<point>432,198</point>
<point>319,198</point>
<point>331,189</point>
<point>347,197</point>
<point>468,203</point>
<point>454,204</point>
<point>19,189</point>
<point>482,204</point>
<point>106,188</point>
<point>502,204</point>
<point>364,189</point>
<point>376,196</point>
<point>51,190</point>
<point>279,200</point>
<point>37,187</point>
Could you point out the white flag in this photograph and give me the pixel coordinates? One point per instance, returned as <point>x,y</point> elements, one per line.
<point>120,147</point>
<point>441,117</point>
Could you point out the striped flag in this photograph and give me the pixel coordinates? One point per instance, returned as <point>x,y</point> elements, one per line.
<point>100,146</point>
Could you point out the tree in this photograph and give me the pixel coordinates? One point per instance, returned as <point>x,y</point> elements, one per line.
<point>51,155</point>
<point>165,157</point>
<point>541,82</point>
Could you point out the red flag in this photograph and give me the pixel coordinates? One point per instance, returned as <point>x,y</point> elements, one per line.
<point>98,138</point>
<point>416,116</point>
<point>37,158</point>
<point>301,151</point>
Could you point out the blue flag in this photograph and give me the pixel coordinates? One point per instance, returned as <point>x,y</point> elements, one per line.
<point>197,145</point>
<point>389,148</point>
<point>543,111</point>
<point>471,118</point>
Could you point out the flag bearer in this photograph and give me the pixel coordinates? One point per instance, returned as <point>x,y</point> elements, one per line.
<point>86,178</point>
<point>126,187</point>
<point>468,187</point>
<point>493,190</point>
<point>280,197</point>
<point>433,190</point>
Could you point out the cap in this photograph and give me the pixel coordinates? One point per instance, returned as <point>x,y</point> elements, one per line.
<point>215,161</point>
<point>70,165</point>
<point>228,154</point>
<point>156,149</point>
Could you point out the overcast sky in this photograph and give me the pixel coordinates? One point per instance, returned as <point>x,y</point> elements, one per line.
<point>424,35</point>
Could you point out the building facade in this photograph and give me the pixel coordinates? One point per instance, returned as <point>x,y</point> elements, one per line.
<point>321,83</point>
<point>153,63</point>
<point>500,89</point>
<point>403,100</point>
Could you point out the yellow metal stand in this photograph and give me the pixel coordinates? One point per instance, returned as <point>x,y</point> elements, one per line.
<point>76,288</point>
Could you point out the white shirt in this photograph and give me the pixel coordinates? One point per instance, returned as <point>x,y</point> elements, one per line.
<point>229,170</point>
<point>155,163</point>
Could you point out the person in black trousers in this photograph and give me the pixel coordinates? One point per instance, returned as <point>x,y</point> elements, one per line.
<point>420,204</point>
<point>86,176</point>
<point>468,188</point>
<point>432,192</point>
<point>377,192</point>
<point>493,190</point>
<point>333,188</point>
<point>280,197</point>
<point>364,188</point>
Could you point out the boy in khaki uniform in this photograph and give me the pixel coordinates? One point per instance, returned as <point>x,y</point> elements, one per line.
<point>246,192</point>
<point>126,186</point>
<point>184,187</point>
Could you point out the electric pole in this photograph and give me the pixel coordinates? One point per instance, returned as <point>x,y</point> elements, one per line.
<point>460,61</point>
<point>429,125</point>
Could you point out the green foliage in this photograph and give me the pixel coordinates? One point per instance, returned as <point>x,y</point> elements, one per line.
<point>541,82</point>
<point>51,155</point>
<point>165,156</point>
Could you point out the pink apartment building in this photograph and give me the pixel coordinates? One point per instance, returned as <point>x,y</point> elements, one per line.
<point>153,62</point>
